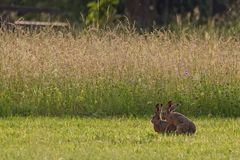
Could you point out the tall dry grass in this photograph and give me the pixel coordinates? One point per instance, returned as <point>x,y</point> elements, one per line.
<point>116,73</point>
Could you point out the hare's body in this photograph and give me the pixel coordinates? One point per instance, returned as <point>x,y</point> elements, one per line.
<point>182,123</point>
<point>161,126</point>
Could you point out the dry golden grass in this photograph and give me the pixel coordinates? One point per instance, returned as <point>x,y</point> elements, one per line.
<point>109,72</point>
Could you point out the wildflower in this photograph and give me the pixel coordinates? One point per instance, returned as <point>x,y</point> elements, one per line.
<point>186,73</point>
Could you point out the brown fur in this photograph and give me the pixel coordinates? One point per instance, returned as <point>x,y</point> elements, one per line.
<point>183,124</point>
<point>159,125</point>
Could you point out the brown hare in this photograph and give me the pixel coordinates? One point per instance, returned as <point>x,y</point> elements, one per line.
<point>159,125</point>
<point>183,124</point>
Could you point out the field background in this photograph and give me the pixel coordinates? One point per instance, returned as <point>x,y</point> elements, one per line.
<point>119,72</point>
<point>88,91</point>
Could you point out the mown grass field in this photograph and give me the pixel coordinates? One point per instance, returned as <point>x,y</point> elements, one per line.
<point>114,138</point>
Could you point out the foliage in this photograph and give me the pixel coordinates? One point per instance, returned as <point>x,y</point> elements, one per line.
<point>101,12</point>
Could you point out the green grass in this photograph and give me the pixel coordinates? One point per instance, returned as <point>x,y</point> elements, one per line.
<point>114,138</point>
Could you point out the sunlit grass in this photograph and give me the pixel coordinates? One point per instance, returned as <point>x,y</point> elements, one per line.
<point>114,138</point>
<point>118,73</point>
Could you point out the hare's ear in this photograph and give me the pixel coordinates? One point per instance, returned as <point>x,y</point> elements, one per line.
<point>173,108</point>
<point>158,108</point>
<point>169,106</point>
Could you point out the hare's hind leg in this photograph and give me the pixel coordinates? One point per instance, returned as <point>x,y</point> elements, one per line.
<point>171,128</point>
<point>182,129</point>
<point>192,129</point>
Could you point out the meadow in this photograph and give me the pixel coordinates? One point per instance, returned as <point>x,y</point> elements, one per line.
<point>89,95</point>
<point>114,138</point>
<point>118,72</point>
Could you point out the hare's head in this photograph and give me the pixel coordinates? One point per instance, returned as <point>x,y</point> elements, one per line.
<point>156,116</point>
<point>170,107</point>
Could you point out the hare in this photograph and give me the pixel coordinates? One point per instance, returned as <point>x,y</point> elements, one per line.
<point>182,123</point>
<point>159,125</point>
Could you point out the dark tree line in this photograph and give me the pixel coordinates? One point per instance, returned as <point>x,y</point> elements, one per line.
<point>144,13</point>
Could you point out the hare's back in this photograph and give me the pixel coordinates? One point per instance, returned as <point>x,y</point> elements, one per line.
<point>179,118</point>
